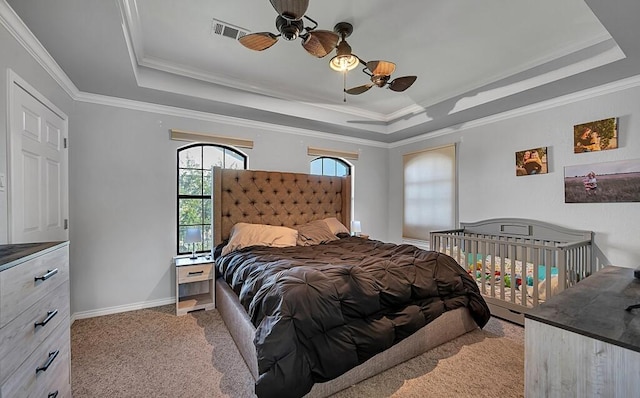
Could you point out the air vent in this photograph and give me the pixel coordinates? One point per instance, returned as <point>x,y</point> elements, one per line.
<point>226,29</point>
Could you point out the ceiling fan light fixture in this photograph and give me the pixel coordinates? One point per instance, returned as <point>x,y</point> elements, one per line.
<point>344,61</point>
<point>289,29</point>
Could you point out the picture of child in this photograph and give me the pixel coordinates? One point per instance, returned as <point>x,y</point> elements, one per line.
<point>533,165</point>
<point>590,183</point>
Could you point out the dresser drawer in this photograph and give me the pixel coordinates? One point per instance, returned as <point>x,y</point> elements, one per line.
<point>25,284</point>
<point>57,378</point>
<point>21,336</point>
<point>27,381</point>
<point>195,273</point>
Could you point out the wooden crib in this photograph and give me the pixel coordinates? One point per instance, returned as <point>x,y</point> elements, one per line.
<point>518,263</point>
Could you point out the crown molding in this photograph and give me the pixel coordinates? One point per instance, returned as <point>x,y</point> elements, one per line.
<point>17,28</point>
<point>212,117</point>
<point>609,88</point>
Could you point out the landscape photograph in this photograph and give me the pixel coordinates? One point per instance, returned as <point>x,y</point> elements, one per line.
<point>603,182</point>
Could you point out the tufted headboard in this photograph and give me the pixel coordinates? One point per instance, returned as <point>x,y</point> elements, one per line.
<point>276,198</point>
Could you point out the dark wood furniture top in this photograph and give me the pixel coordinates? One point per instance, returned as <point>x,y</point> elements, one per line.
<point>596,308</point>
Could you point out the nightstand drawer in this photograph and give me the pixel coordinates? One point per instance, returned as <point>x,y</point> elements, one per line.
<point>194,273</point>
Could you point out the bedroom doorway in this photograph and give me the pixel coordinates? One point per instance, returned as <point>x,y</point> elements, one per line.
<point>38,204</point>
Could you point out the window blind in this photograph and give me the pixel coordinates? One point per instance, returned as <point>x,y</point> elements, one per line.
<point>429,192</point>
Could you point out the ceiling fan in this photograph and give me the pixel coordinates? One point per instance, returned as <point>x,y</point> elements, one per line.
<point>380,73</point>
<point>290,26</point>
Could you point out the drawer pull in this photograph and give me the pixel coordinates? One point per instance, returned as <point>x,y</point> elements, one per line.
<point>52,356</point>
<point>196,273</point>
<point>46,276</point>
<point>53,394</point>
<point>50,315</point>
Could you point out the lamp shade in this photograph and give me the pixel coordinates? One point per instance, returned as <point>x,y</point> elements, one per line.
<point>193,235</point>
<point>355,227</point>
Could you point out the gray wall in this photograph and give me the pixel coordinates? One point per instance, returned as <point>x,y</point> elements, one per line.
<point>123,197</point>
<point>488,186</point>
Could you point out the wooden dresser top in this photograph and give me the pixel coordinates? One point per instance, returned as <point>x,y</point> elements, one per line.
<point>14,254</point>
<point>596,308</point>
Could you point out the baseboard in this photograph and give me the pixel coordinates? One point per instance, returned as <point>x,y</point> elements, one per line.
<point>122,308</point>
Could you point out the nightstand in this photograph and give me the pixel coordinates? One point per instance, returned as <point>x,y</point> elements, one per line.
<point>195,284</point>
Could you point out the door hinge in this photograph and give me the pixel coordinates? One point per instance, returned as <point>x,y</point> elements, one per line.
<point>66,223</point>
<point>65,142</point>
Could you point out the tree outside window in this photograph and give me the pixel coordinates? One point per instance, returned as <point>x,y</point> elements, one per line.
<point>194,189</point>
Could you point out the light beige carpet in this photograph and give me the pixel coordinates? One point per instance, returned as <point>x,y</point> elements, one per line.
<point>153,353</point>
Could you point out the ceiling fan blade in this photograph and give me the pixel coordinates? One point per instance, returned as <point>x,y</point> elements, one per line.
<point>402,83</point>
<point>359,89</point>
<point>320,43</point>
<point>291,9</point>
<point>381,68</point>
<point>258,41</point>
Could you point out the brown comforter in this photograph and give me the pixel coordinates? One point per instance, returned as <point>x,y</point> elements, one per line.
<point>321,310</point>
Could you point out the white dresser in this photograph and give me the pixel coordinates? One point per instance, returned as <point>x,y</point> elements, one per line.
<point>35,355</point>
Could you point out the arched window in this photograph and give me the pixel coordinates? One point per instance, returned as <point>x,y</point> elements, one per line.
<point>194,190</point>
<point>328,166</point>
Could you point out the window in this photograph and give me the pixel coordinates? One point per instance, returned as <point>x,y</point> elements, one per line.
<point>194,189</point>
<point>327,166</point>
<point>429,192</point>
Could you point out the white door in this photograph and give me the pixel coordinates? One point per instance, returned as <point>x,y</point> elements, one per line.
<point>38,176</point>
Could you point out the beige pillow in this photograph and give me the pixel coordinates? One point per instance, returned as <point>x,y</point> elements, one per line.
<point>245,235</point>
<point>314,233</point>
<point>336,226</point>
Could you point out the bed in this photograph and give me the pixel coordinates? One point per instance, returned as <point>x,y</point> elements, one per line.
<point>518,263</point>
<point>291,200</point>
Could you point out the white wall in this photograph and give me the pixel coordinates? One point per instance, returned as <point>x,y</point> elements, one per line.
<point>123,197</point>
<point>488,187</point>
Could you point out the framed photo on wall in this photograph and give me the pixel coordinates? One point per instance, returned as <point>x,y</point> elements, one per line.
<point>532,161</point>
<point>603,182</point>
<point>595,136</point>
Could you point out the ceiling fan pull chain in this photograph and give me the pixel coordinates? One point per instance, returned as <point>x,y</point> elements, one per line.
<point>344,86</point>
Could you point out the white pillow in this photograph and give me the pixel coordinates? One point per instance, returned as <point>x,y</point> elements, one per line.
<point>245,235</point>
<point>336,226</point>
